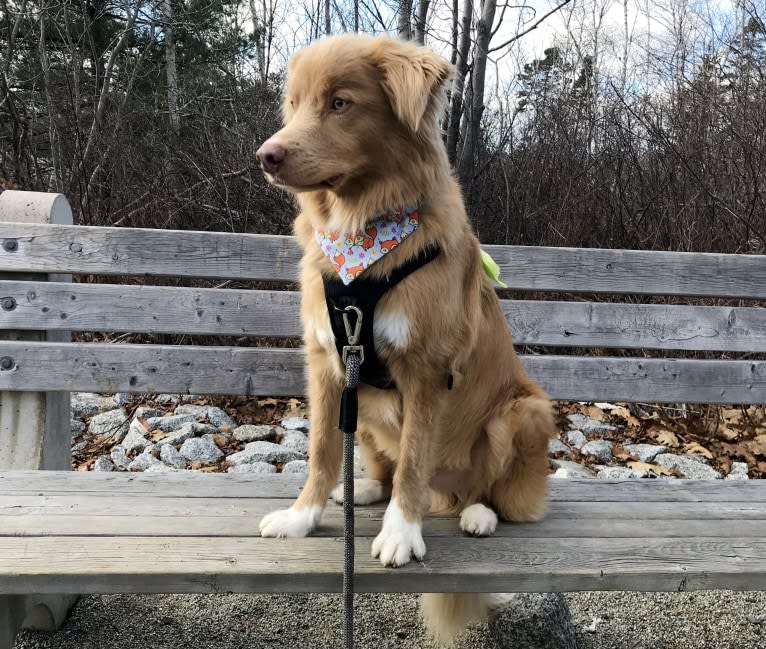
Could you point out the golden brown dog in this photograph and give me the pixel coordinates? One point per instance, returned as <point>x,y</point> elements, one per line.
<point>361,134</point>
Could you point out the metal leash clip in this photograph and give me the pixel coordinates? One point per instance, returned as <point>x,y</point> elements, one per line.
<point>353,346</point>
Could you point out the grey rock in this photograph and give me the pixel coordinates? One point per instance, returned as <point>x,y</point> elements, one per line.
<point>601,449</point>
<point>576,438</point>
<point>619,473</point>
<point>169,398</point>
<point>738,471</point>
<point>200,449</point>
<point>214,415</point>
<point>136,439</point>
<point>251,433</point>
<point>295,423</point>
<point>144,461</point>
<point>191,409</point>
<point>568,469</point>
<point>556,446</point>
<point>103,463</point>
<point>588,425</point>
<point>80,446</point>
<point>295,440</point>
<point>123,398</point>
<point>534,621</point>
<point>146,412</point>
<point>264,452</point>
<point>119,457</point>
<point>255,467</point>
<point>76,428</point>
<point>296,466</point>
<point>645,452</point>
<point>691,467</point>
<point>171,423</point>
<point>113,423</point>
<point>187,431</point>
<point>219,418</point>
<point>160,468</point>
<point>169,455</point>
<point>88,404</point>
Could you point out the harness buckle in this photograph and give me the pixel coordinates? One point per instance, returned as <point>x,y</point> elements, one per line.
<point>353,334</point>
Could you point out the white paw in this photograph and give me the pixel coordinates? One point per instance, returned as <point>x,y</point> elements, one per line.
<point>366,492</point>
<point>478,520</point>
<point>399,540</point>
<point>290,522</point>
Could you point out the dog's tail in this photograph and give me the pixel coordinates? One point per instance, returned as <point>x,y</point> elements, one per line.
<point>447,614</point>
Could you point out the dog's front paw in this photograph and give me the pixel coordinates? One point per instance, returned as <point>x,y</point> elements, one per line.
<point>366,492</point>
<point>478,520</point>
<point>290,522</point>
<point>399,540</point>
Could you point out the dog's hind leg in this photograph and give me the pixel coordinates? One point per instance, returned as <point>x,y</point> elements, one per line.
<point>520,493</point>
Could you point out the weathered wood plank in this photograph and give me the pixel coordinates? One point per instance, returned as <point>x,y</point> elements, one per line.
<point>132,251</point>
<point>641,272</point>
<point>162,309</point>
<point>368,521</point>
<point>637,326</point>
<point>92,505</point>
<point>217,564</point>
<point>151,309</point>
<point>219,485</point>
<point>268,371</point>
<point>125,251</point>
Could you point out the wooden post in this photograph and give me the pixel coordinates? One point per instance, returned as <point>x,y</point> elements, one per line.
<point>35,428</point>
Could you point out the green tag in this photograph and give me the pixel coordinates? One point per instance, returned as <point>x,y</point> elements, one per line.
<point>491,269</point>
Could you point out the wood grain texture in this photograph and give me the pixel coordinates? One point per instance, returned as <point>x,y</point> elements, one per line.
<point>133,251</point>
<point>232,564</point>
<point>63,532</point>
<point>159,309</point>
<point>224,486</point>
<point>126,251</point>
<point>151,309</point>
<point>268,371</point>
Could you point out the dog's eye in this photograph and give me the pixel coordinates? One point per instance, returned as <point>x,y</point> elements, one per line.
<point>338,104</point>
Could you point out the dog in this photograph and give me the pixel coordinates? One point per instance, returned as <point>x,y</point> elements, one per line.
<point>464,430</point>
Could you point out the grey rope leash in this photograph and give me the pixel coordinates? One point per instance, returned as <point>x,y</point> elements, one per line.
<point>353,356</point>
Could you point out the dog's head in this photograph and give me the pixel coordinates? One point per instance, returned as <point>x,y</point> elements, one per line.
<point>357,111</point>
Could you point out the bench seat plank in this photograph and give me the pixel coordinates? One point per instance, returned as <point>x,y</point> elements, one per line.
<point>193,485</point>
<point>114,537</point>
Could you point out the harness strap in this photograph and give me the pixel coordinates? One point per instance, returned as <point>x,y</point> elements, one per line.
<point>365,294</point>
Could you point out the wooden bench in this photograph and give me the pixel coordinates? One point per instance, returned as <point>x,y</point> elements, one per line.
<point>64,533</point>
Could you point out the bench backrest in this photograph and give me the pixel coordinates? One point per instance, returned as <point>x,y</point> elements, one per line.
<point>649,329</point>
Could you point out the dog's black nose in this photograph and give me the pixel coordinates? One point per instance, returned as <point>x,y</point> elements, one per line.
<point>271,155</point>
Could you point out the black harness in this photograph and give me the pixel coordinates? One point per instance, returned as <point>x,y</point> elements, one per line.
<point>365,294</point>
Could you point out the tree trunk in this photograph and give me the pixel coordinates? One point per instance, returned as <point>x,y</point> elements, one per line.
<point>403,20</point>
<point>173,93</point>
<point>475,108</point>
<point>327,18</point>
<point>458,83</point>
<point>420,21</point>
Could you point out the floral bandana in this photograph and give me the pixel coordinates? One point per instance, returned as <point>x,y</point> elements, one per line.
<point>351,253</point>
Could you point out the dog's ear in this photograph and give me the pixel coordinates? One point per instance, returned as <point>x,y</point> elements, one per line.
<point>413,77</point>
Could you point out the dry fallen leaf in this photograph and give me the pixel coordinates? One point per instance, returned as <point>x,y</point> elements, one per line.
<point>158,434</point>
<point>653,468</point>
<point>696,449</point>
<point>595,412</point>
<point>662,436</point>
<point>727,433</point>
<point>758,445</point>
<point>624,413</point>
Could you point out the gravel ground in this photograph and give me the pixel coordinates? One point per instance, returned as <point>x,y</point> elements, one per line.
<point>703,620</point>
